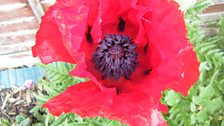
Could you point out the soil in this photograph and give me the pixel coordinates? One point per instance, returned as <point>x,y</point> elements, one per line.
<point>14,101</point>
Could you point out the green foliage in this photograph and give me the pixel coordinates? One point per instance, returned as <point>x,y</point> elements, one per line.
<point>20,120</point>
<point>58,73</point>
<point>178,108</point>
<point>56,81</point>
<point>204,105</point>
<point>4,122</point>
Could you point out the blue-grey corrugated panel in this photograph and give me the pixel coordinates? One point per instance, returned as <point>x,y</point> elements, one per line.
<point>17,77</point>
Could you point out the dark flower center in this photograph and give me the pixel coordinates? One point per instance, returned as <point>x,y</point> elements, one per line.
<point>115,56</point>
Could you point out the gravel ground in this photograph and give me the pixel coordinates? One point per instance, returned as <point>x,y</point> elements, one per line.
<point>15,101</point>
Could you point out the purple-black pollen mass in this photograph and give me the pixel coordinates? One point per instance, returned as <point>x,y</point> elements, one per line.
<point>115,56</point>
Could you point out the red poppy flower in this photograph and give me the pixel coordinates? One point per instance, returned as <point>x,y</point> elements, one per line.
<point>131,50</point>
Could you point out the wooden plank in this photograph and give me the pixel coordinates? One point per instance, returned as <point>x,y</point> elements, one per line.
<point>45,6</point>
<point>16,39</point>
<point>47,3</point>
<point>218,1</point>
<point>15,48</point>
<point>211,17</point>
<point>12,1</point>
<point>37,9</point>
<point>18,20</point>
<point>209,31</point>
<point>212,14</point>
<point>219,7</point>
<point>11,7</point>
<point>21,12</point>
<point>19,26</point>
<point>17,60</point>
<point>19,33</point>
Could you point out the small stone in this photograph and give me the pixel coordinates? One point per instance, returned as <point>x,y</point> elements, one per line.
<point>12,100</point>
<point>28,84</point>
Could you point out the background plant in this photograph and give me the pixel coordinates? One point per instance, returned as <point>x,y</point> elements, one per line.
<point>204,105</point>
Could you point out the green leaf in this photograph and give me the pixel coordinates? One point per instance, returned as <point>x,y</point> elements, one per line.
<point>46,122</point>
<point>60,120</point>
<point>25,122</point>
<point>20,118</point>
<point>113,123</point>
<point>38,124</point>
<point>214,105</point>
<point>207,92</point>
<point>4,122</point>
<point>202,116</point>
<point>35,109</point>
<point>222,124</point>
<point>41,97</point>
<point>171,98</point>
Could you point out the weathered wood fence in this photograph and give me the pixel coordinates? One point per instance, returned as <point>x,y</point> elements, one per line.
<point>19,21</point>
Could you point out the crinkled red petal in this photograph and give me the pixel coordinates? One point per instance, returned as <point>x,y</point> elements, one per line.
<point>87,100</point>
<point>190,70</point>
<point>93,11</point>
<point>62,32</point>
<point>49,43</point>
<point>167,34</point>
<point>177,66</point>
<point>72,22</point>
